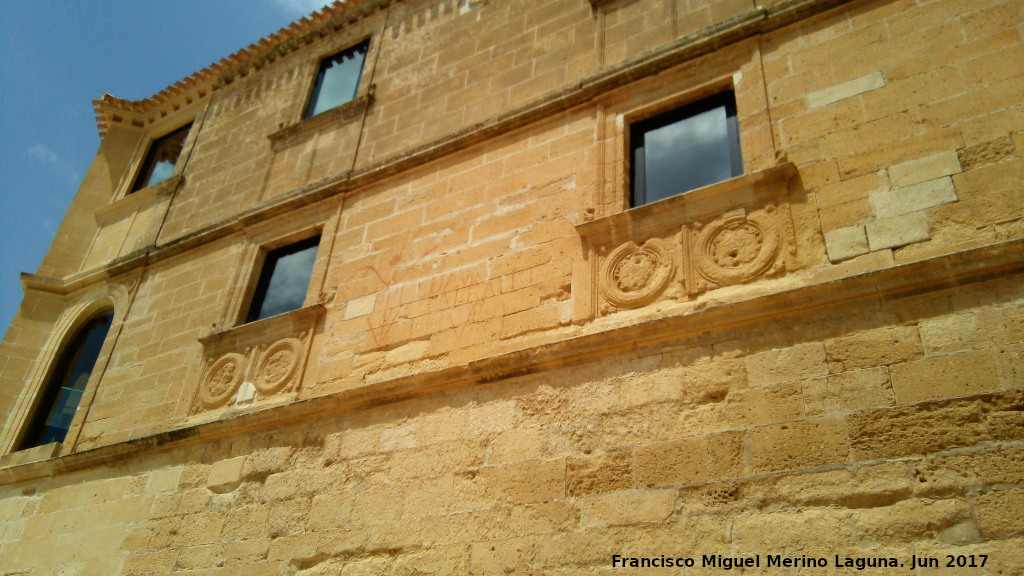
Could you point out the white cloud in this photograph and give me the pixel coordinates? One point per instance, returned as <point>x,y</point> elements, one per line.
<point>299,8</point>
<point>55,163</point>
<point>43,154</point>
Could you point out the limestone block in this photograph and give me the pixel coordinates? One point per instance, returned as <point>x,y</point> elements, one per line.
<point>876,347</point>
<point>198,557</point>
<point>329,511</point>
<point>963,331</point>
<point>898,231</point>
<point>919,170</point>
<point>917,429</point>
<point>818,531</point>
<point>155,562</point>
<point>680,461</point>
<point>289,517</point>
<point>1000,512</point>
<point>200,529</point>
<point>845,90</point>
<point>793,363</point>
<point>163,480</point>
<point>796,445</point>
<point>491,417</point>
<point>905,521</point>
<point>520,443</point>
<point>726,451</point>
<point>225,475</point>
<point>855,487</point>
<point>628,507</point>
<point>245,523</point>
<point>263,463</point>
<point>762,405</point>
<point>849,391</point>
<point>913,198</point>
<point>403,436</point>
<point>533,481</point>
<point>845,243</point>
<point>599,472</point>
<point>361,306</point>
<point>945,376</point>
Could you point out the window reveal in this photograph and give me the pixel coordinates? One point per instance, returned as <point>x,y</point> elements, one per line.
<point>161,159</point>
<point>686,148</point>
<point>284,281</point>
<point>338,79</point>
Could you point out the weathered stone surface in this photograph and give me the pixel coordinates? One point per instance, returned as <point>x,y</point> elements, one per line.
<point>821,356</point>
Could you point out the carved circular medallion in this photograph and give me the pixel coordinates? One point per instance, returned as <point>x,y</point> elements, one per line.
<point>736,245</point>
<point>737,249</point>
<point>222,380</point>
<point>278,365</point>
<point>634,275</point>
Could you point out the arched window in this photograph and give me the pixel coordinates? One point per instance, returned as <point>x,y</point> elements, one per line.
<point>64,389</point>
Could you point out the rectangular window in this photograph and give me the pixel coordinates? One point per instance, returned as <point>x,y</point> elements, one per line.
<point>338,79</point>
<point>161,159</point>
<point>686,148</point>
<point>284,281</point>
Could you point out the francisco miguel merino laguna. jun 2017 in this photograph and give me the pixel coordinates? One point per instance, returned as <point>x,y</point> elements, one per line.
<point>779,561</point>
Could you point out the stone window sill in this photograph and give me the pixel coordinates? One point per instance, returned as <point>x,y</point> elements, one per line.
<point>28,455</point>
<point>288,135</point>
<point>137,201</point>
<point>731,232</point>
<point>255,361</point>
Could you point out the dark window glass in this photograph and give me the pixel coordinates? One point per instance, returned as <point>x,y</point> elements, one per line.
<point>686,148</point>
<point>284,280</point>
<point>66,385</point>
<point>161,159</point>
<point>338,79</point>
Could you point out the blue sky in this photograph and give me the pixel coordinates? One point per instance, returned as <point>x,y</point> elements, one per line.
<point>56,58</point>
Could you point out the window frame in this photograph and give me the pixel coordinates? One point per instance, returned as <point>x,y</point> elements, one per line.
<point>58,369</point>
<point>636,144</point>
<point>148,163</point>
<point>267,265</point>
<point>321,72</point>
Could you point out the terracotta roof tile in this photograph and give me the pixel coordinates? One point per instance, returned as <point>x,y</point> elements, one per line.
<point>104,104</point>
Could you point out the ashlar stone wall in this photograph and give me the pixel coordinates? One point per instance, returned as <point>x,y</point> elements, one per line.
<point>820,358</point>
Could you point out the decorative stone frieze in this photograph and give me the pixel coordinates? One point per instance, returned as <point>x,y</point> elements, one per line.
<point>255,361</point>
<point>736,248</point>
<point>728,233</point>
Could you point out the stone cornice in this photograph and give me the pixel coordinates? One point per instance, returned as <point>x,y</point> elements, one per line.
<point>199,85</point>
<point>883,286</point>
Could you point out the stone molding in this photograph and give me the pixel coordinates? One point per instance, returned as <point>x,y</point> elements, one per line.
<point>290,135</point>
<point>138,201</point>
<point>78,307</point>
<point>886,285</point>
<point>255,361</point>
<point>732,232</point>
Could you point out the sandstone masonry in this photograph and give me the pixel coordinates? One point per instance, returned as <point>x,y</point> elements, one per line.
<point>501,362</point>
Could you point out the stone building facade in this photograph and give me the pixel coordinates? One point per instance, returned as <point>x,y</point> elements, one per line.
<point>519,344</point>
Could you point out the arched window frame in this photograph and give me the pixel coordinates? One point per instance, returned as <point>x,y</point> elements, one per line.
<point>110,298</point>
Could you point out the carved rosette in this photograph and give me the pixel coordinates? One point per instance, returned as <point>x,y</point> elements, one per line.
<point>255,361</point>
<point>736,248</point>
<point>635,275</point>
<point>221,380</point>
<point>278,366</point>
